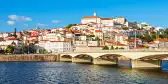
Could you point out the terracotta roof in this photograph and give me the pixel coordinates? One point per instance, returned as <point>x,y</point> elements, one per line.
<point>60,41</point>
<point>98,31</point>
<point>106,18</point>
<point>91,33</point>
<point>132,40</point>
<point>162,40</point>
<point>91,17</point>
<point>44,40</point>
<point>86,30</point>
<point>11,38</point>
<point>123,35</point>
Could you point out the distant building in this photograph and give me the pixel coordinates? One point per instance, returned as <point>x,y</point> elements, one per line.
<point>120,20</point>
<point>109,36</point>
<point>107,21</point>
<point>99,34</point>
<point>88,19</point>
<point>131,24</point>
<point>161,43</point>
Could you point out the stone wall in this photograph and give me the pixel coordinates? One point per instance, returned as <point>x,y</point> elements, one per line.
<point>42,58</point>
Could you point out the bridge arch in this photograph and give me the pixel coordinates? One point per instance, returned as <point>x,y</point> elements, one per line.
<point>66,58</point>
<point>83,58</point>
<point>109,59</point>
<point>109,56</point>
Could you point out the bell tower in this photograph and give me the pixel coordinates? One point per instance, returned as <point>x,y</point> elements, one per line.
<point>94,14</point>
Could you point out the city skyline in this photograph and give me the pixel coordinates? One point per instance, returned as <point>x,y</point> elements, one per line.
<point>26,15</point>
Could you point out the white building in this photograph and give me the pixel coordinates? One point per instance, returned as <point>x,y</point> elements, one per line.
<point>131,24</point>
<point>55,46</point>
<point>54,37</point>
<point>3,35</point>
<point>120,20</point>
<point>88,19</point>
<point>107,21</point>
<point>9,42</point>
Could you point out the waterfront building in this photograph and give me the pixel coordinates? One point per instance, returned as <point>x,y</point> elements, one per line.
<point>132,44</point>
<point>55,46</point>
<point>121,38</point>
<point>161,43</point>
<point>5,43</point>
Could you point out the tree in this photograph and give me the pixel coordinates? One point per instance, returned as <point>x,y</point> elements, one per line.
<point>25,49</point>
<point>121,48</point>
<point>166,31</point>
<point>88,36</point>
<point>14,34</point>
<point>162,35</point>
<point>70,25</point>
<point>125,28</point>
<point>112,48</point>
<point>10,49</point>
<point>105,48</point>
<point>147,38</point>
<point>116,48</point>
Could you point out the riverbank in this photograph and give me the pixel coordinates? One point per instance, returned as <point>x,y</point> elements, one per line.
<point>29,57</point>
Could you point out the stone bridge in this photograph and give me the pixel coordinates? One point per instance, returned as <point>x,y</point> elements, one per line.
<point>137,59</point>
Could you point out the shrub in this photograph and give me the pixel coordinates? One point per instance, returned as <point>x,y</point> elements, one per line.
<point>116,48</point>
<point>112,48</point>
<point>121,48</point>
<point>105,48</point>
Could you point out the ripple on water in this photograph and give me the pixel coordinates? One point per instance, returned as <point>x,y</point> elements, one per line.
<point>70,73</point>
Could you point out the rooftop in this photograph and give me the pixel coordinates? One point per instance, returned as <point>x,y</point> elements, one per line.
<point>90,17</point>
<point>106,18</point>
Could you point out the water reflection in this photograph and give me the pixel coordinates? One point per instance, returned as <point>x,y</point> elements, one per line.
<point>165,65</point>
<point>71,73</point>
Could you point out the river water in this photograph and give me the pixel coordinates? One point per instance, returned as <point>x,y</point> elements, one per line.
<point>71,73</point>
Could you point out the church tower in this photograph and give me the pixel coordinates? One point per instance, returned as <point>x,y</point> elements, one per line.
<point>94,14</point>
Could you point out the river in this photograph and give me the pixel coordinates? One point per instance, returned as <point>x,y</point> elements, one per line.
<point>71,73</point>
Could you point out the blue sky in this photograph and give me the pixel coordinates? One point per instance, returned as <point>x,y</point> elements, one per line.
<point>27,14</point>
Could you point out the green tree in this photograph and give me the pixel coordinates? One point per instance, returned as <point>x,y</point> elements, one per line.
<point>14,34</point>
<point>105,48</point>
<point>162,36</point>
<point>116,48</point>
<point>153,36</point>
<point>70,25</point>
<point>125,28</point>
<point>88,36</point>
<point>112,48</point>
<point>10,49</point>
<point>147,37</point>
<point>121,48</point>
<point>166,31</point>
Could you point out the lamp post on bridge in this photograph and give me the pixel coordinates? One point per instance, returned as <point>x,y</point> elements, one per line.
<point>135,41</point>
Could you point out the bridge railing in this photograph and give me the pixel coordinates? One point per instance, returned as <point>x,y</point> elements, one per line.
<point>120,50</point>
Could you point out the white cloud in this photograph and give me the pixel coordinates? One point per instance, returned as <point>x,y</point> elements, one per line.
<point>26,25</point>
<point>55,21</point>
<point>19,18</point>
<point>41,25</point>
<point>11,22</point>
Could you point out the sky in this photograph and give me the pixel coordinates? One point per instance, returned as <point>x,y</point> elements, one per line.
<point>28,14</point>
